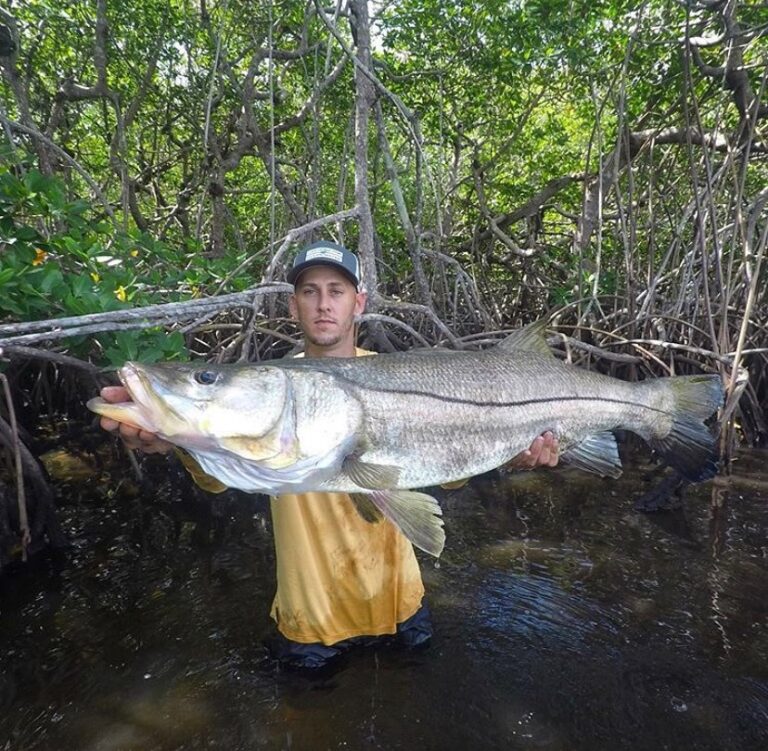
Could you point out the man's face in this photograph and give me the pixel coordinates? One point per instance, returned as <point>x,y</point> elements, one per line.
<point>325,304</point>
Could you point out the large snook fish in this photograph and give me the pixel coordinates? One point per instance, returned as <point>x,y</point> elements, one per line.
<point>377,427</point>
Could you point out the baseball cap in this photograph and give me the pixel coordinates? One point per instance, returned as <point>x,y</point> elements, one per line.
<point>325,253</point>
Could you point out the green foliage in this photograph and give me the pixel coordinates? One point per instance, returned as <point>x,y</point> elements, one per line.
<point>519,92</point>
<point>49,250</point>
<point>153,345</point>
<point>57,259</point>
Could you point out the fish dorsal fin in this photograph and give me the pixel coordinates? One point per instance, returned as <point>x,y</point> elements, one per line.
<point>373,476</point>
<point>418,516</point>
<point>530,338</point>
<point>596,453</point>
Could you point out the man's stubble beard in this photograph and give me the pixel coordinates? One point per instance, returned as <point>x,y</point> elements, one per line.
<point>330,339</point>
<point>324,340</point>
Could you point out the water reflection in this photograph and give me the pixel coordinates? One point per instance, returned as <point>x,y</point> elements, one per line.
<point>564,619</point>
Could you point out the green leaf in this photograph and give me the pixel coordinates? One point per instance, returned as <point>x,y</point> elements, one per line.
<point>51,276</point>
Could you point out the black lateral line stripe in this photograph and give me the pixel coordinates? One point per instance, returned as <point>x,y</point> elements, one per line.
<point>521,403</point>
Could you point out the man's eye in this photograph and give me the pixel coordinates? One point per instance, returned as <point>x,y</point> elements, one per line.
<point>206,377</point>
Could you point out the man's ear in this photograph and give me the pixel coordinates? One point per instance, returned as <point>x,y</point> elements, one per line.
<point>292,306</point>
<point>361,299</point>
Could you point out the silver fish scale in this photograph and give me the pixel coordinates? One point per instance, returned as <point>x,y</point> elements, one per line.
<point>443,416</point>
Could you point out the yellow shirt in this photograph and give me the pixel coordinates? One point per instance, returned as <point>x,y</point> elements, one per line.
<point>338,576</point>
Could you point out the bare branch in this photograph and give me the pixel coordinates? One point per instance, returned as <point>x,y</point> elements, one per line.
<point>131,319</point>
<point>530,208</point>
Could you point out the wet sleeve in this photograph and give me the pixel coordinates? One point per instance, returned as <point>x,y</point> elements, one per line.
<point>201,479</point>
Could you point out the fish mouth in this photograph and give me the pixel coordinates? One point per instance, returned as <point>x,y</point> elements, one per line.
<point>144,401</point>
<point>147,391</point>
<point>135,381</point>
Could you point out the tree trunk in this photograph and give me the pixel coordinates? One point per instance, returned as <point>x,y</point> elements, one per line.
<point>365,95</point>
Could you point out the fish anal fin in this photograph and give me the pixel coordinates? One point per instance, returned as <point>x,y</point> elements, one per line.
<point>416,514</point>
<point>366,508</point>
<point>530,338</point>
<point>596,453</point>
<point>367,475</point>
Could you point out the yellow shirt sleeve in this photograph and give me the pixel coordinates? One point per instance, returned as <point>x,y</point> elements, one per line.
<point>202,480</point>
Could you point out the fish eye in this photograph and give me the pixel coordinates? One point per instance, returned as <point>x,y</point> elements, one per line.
<point>206,377</point>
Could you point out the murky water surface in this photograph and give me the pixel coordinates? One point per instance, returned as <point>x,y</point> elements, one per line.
<point>564,620</point>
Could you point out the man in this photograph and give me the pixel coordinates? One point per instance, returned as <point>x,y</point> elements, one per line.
<point>340,580</point>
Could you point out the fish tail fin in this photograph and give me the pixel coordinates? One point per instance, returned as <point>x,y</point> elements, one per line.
<point>690,446</point>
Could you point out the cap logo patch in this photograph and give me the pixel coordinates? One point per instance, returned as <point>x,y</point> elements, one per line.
<point>330,253</point>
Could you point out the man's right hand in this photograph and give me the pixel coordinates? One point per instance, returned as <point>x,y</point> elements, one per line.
<point>544,452</point>
<point>135,438</point>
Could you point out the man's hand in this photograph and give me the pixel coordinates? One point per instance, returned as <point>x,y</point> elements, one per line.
<point>544,452</point>
<point>134,437</point>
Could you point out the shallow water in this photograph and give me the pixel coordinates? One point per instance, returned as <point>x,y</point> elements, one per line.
<point>564,620</point>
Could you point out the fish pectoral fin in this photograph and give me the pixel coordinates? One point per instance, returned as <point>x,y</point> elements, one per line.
<point>367,475</point>
<point>596,453</point>
<point>416,514</point>
<point>366,508</point>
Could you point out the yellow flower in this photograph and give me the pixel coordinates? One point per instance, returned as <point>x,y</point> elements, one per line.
<point>40,256</point>
<point>95,276</point>
<point>121,293</point>
<point>134,253</point>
